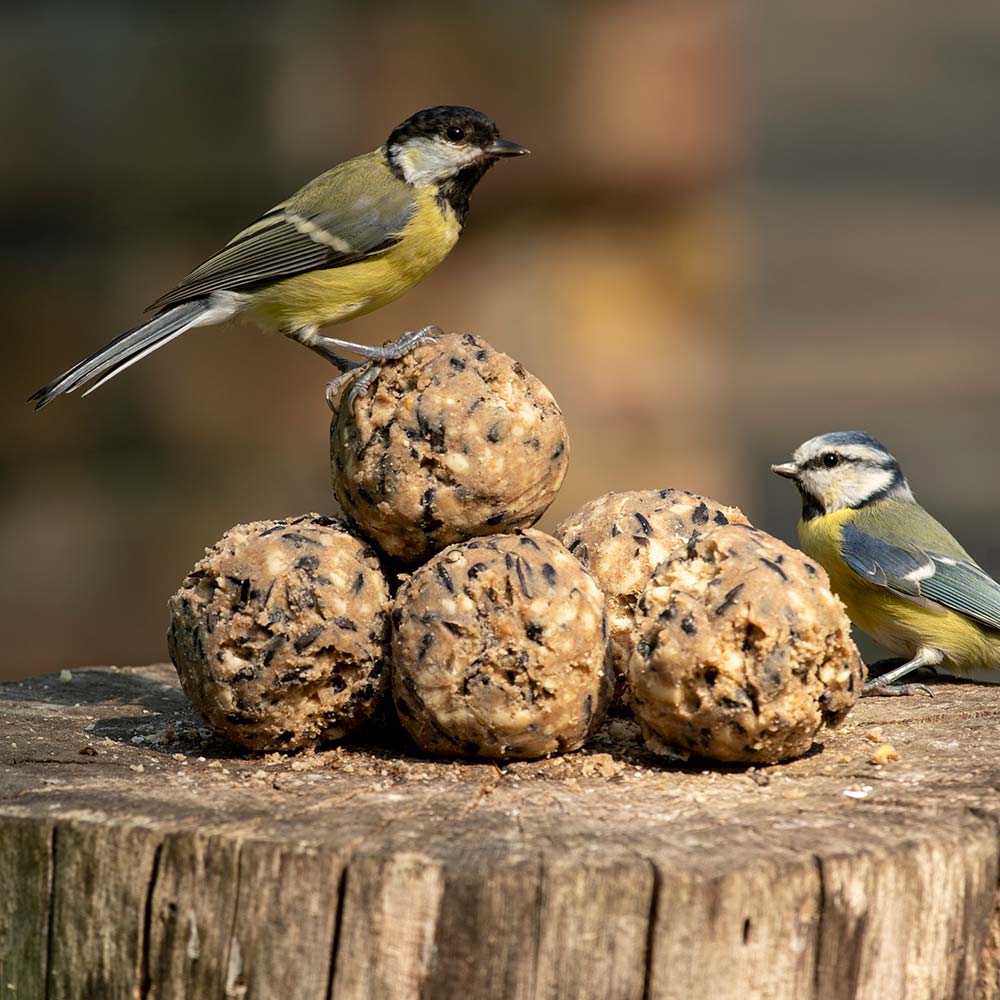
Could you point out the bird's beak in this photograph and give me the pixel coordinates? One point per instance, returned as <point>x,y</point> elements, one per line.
<point>789,470</point>
<point>504,147</point>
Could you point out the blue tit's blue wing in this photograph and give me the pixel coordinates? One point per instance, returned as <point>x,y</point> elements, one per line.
<point>964,587</point>
<point>355,211</point>
<point>957,584</point>
<point>883,563</point>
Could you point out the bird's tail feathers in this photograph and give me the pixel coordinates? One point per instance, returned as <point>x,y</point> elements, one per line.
<point>125,350</point>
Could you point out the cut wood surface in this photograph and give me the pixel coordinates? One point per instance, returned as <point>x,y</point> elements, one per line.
<point>140,857</point>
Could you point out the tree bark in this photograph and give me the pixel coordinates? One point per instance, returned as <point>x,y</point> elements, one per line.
<point>142,858</point>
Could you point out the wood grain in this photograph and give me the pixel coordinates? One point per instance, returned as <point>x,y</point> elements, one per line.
<point>141,858</point>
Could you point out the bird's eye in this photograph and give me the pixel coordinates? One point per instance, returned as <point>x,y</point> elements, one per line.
<point>830,459</point>
<point>454,133</point>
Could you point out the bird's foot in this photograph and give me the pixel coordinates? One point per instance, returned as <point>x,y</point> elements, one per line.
<point>875,690</point>
<point>362,383</point>
<point>896,668</point>
<point>394,349</point>
<point>362,375</point>
<point>391,350</point>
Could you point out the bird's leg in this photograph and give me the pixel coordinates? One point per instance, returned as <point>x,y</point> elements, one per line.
<point>889,663</point>
<point>349,370</point>
<point>362,374</point>
<point>309,336</point>
<point>387,352</point>
<point>884,684</point>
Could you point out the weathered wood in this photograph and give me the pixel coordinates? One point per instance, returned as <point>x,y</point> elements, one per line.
<point>941,883</point>
<point>101,879</point>
<point>26,878</point>
<point>750,930</point>
<point>593,922</point>
<point>140,858</point>
<point>285,920</point>
<point>389,912</point>
<point>192,949</point>
<point>487,928</point>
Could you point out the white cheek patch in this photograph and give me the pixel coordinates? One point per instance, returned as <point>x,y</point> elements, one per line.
<point>847,487</point>
<point>867,483</point>
<point>424,161</point>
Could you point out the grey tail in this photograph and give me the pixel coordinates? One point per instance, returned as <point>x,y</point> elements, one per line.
<point>123,351</point>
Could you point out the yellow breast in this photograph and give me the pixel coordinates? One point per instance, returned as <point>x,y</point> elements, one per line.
<point>893,621</point>
<point>336,294</point>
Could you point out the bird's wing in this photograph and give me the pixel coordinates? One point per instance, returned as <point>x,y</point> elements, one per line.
<point>349,213</point>
<point>957,584</point>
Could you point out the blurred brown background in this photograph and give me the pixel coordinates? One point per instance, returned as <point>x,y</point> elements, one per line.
<point>740,226</point>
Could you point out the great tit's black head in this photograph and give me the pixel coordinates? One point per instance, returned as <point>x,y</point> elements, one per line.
<point>843,469</point>
<point>440,143</point>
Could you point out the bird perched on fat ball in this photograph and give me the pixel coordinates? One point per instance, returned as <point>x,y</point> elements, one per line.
<point>350,241</point>
<point>903,577</point>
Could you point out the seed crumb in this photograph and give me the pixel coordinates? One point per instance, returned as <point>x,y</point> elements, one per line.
<point>883,754</point>
<point>601,765</point>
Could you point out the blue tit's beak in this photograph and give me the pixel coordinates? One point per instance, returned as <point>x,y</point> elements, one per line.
<point>504,147</point>
<point>788,469</point>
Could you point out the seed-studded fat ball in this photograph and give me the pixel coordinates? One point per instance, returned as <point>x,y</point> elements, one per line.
<point>280,634</point>
<point>499,649</point>
<point>742,651</point>
<point>455,440</point>
<point>622,537</point>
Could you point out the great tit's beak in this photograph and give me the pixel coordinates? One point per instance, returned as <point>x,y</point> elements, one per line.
<point>789,470</point>
<point>504,147</point>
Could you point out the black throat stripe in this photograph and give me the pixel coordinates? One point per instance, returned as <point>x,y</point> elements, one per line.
<point>456,191</point>
<point>811,507</point>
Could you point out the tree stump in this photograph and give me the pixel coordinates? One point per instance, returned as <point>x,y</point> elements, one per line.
<point>141,858</point>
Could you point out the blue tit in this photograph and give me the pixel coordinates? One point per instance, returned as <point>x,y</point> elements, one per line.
<point>903,577</point>
<point>350,241</point>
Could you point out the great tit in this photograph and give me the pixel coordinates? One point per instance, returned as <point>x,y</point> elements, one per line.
<point>903,577</point>
<point>350,241</point>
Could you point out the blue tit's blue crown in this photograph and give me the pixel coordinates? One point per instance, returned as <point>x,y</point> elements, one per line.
<point>846,438</point>
<point>844,469</point>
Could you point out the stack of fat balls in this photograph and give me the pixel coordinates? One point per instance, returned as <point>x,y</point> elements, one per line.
<point>496,640</point>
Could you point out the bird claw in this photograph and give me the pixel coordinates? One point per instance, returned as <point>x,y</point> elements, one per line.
<point>393,350</point>
<point>355,374</point>
<point>875,690</point>
<point>362,383</point>
<point>362,376</point>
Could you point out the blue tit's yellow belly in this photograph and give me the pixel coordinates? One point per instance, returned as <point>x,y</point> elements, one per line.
<point>335,294</point>
<point>899,624</point>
